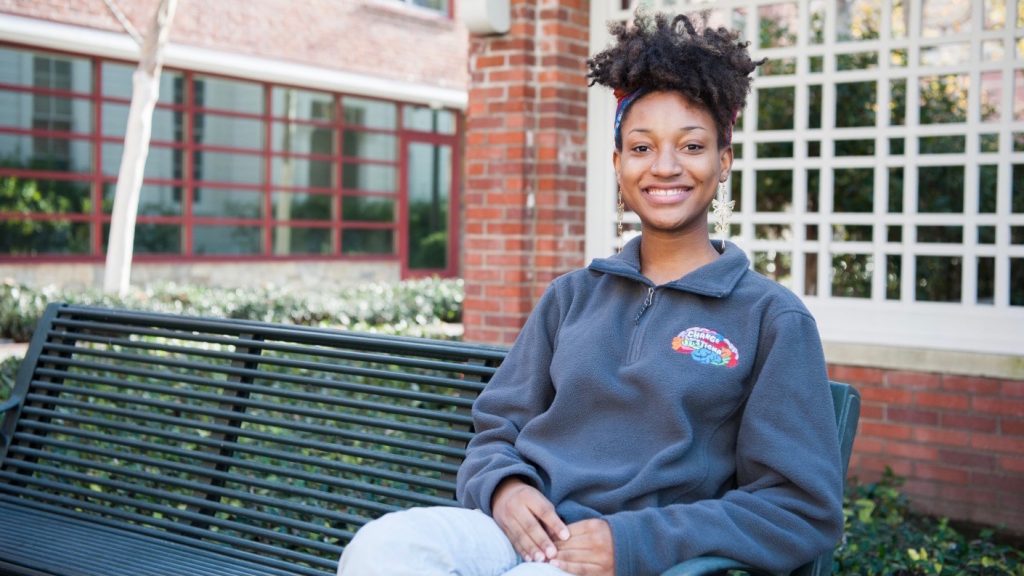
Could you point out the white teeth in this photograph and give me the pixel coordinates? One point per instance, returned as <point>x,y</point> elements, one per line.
<point>663,192</point>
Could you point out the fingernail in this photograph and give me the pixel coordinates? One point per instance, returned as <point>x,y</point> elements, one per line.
<point>552,551</point>
<point>538,557</point>
<point>564,534</point>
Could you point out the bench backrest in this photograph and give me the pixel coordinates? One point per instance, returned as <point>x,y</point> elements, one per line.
<point>266,442</point>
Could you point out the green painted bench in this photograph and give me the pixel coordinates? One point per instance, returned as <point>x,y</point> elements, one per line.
<point>151,444</point>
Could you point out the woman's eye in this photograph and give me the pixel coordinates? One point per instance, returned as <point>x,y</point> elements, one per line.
<point>693,147</point>
<point>641,148</point>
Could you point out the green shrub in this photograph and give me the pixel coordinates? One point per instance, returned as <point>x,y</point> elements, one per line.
<point>884,538</point>
<point>415,307</point>
<point>8,370</point>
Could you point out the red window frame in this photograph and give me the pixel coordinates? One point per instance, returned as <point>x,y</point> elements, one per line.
<point>188,221</point>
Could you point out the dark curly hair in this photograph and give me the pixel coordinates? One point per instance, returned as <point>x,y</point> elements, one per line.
<point>707,65</point>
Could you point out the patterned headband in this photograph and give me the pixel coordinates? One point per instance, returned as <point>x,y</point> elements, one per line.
<point>626,99</point>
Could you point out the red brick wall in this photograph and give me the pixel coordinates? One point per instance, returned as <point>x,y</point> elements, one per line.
<point>374,37</point>
<point>525,164</point>
<point>958,441</point>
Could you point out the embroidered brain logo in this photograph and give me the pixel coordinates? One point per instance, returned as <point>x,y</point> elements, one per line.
<point>707,347</point>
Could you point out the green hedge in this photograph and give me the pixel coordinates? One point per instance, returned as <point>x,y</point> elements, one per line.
<point>884,538</point>
<point>415,307</point>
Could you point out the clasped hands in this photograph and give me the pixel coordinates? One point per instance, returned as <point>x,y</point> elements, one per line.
<point>530,522</point>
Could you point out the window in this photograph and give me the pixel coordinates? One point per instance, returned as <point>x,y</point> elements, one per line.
<point>235,169</point>
<point>441,6</point>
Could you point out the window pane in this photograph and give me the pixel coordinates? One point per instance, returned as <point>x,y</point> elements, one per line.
<point>302,206</point>
<point>215,130</point>
<point>779,25</point>
<point>370,146</point>
<point>302,138</point>
<point>991,92</point>
<point>736,189</point>
<point>896,146</point>
<point>986,234</point>
<point>989,143</point>
<point>855,104</point>
<point>368,209</point>
<point>43,153</point>
<point>995,14</point>
<point>938,279</point>
<point>161,162</point>
<point>940,234</point>
<point>430,184</point>
<point>900,18</point>
<point>778,67</point>
<point>226,240</point>
<point>942,144</point>
<point>852,232</point>
<point>943,99</point>
<point>814,106</point>
<point>154,200</point>
<point>945,54</point>
<point>117,83</point>
<point>813,189</point>
<point>857,61</point>
<point>854,148</point>
<point>897,102</point>
<point>816,8</point>
<point>302,104</point>
<point>987,178</point>
<point>233,95</point>
<point>857,19</point>
<point>355,241</point>
<point>224,167</point>
<point>775,265</point>
<point>370,113</point>
<point>292,240</point>
<point>941,18</point>
<point>424,119</point>
<point>221,203</point>
<point>775,150</point>
<point>303,172</point>
<point>1017,202</point>
<point>851,275</point>
<point>774,190</point>
<point>853,190</point>
<point>1016,281</point>
<point>28,237</point>
<point>775,108</point>
<point>44,196</point>
<point>811,274</point>
<point>45,70</point>
<point>43,112</point>
<point>152,238</point>
<point>986,280</point>
<point>893,276</point>
<point>369,177</point>
<point>940,189</point>
<point>895,190</point>
<point>168,125</point>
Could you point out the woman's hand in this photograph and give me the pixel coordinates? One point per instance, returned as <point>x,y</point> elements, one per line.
<point>528,519</point>
<point>589,551</point>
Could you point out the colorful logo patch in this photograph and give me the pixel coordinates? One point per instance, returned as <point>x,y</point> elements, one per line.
<point>707,347</point>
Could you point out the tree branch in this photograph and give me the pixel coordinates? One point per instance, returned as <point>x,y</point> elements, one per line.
<point>125,22</point>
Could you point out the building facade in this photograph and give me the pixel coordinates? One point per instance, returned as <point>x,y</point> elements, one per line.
<point>878,175</point>
<point>300,141</point>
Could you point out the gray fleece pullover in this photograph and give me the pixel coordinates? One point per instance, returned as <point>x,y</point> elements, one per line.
<point>695,417</point>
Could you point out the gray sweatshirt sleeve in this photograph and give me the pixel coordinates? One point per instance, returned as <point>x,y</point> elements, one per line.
<point>787,505</point>
<point>519,390</point>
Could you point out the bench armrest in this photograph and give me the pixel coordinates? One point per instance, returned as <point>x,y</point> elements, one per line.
<point>8,404</point>
<point>708,565</point>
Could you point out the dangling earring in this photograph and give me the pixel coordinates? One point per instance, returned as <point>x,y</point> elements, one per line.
<point>722,210</point>
<point>620,210</point>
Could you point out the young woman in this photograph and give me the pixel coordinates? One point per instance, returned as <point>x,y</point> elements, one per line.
<point>661,404</point>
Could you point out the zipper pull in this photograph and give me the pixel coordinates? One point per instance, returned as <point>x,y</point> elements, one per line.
<point>647,303</point>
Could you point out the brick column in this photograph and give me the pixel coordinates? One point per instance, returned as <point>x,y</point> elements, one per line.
<point>525,164</point>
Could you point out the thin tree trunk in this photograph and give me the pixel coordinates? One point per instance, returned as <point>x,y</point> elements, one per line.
<point>145,92</point>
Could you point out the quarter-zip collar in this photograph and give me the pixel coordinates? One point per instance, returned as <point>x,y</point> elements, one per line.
<point>716,279</point>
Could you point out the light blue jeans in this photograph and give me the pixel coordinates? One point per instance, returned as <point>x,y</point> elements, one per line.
<point>436,541</point>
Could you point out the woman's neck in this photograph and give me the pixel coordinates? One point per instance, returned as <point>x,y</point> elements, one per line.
<point>664,258</point>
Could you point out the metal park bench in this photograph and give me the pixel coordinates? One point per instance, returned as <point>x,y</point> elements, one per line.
<point>145,444</point>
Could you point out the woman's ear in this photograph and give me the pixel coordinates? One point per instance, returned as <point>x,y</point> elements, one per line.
<point>725,159</point>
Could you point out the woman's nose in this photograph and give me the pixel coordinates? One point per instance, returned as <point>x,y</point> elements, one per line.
<point>666,163</point>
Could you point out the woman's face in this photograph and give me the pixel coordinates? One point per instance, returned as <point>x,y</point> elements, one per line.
<point>670,166</point>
